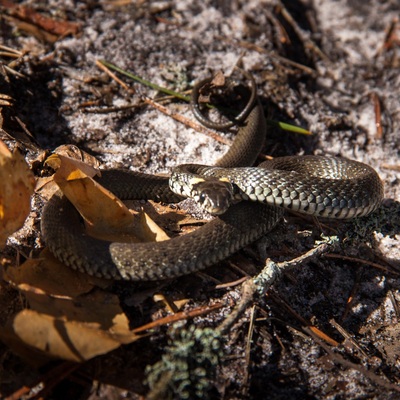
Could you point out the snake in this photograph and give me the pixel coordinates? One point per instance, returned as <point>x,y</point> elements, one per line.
<point>247,202</point>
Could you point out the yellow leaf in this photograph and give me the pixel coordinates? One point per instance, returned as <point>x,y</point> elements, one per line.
<point>106,216</point>
<point>51,276</point>
<point>56,337</point>
<point>68,317</point>
<point>16,187</point>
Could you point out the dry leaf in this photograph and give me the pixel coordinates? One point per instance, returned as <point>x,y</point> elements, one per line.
<point>172,306</point>
<point>219,79</point>
<point>70,168</point>
<point>69,318</point>
<point>16,187</point>
<point>51,276</point>
<point>57,337</point>
<point>46,185</point>
<point>66,313</point>
<point>98,309</point>
<point>72,151</point>
<point>106,216</point>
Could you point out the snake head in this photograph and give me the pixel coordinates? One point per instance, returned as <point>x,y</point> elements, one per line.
<point>215,196</point>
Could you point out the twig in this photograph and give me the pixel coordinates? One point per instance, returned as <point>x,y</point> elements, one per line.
<point>188,122</point>
<point>267,277</point>
<point>304,37</point>
<point>361,261</point>
<point>52,378</point>
<point>391,167</point>
<point>248,350</point>
<point>231,284</point>
<point>352,295</point>
<point>378,115</point>
<point>105,68</point>
<point>283,304</point>
<point>339,359</point>
<point>183,315</point>
<point>349,338</point>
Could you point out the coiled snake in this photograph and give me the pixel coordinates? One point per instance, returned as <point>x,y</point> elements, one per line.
<point>321,186</point>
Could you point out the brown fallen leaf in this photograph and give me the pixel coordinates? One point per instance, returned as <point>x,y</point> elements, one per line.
<point>67,322</point>
<point>72,151</point>
<point>70,317</point>
<point>67,313</point>
<point>172,306</point>
<point>99,310</point>
<point>106,216</point>
<point>46,186</point>
<point>58,337</point>
<point>49,275</point>
<point>16,187</point>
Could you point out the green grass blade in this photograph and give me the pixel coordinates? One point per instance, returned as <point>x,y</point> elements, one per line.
<point>290,128</point>
<point>281,125</point>
<point>145,82</point>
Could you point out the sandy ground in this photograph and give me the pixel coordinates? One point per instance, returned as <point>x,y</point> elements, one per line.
<point>328,66</point>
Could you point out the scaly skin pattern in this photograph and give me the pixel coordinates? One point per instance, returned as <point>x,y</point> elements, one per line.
<point>325,187</point>
<point>275,184</point>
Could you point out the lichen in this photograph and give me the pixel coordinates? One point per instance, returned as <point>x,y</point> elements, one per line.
<point>385,220</point>
<point>188,367</point>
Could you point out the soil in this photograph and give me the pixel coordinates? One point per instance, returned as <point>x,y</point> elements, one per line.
<point>331,67</point>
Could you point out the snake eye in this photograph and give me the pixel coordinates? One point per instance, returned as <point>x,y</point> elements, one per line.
<point>202,198</point>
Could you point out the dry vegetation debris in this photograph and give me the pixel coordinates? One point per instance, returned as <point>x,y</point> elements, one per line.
<point>328,328</point>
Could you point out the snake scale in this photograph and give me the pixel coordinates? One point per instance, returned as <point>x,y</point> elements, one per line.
<point>320,186</point>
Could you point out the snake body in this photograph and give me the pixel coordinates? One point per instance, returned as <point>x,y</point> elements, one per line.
<point>325,187</point>
<point>321,186</point>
